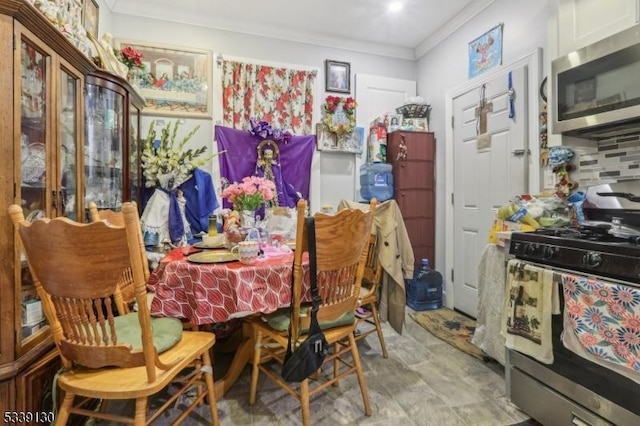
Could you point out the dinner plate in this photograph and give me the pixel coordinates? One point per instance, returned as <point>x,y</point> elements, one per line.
<point>212,257</point>
<point>203,245</point>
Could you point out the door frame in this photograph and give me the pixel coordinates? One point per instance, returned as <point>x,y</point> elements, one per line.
<point>533,61</point>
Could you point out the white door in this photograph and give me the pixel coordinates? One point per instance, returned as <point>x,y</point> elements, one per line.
<point>340,172</point>
<point>486,175</point>
<point>376,96</point>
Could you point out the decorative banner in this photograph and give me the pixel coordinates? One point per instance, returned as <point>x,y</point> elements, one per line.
<point>485,52</point>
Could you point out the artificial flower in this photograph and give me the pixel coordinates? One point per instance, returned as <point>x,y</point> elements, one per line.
<point>263,130</point>
<point>335,105</point>
<point>250,194</point>
<point>167,164</point>
<point>130,57</point>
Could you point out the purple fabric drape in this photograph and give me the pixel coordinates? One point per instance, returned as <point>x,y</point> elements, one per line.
<point>239,160</point>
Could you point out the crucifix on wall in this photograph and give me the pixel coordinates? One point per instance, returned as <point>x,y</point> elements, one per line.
<point>484,107</point>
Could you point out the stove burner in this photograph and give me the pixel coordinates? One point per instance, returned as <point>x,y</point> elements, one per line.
<point>583,232</point>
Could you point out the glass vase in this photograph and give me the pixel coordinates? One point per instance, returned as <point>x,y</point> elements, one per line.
<point>248,218</point>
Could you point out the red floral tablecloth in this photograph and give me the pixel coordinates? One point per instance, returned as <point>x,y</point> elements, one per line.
<point>204,293</point>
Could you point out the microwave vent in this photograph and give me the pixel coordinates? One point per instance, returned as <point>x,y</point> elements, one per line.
<point>608,131</point>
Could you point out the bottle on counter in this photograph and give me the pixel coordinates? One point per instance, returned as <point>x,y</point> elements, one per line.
<point>213,225</point>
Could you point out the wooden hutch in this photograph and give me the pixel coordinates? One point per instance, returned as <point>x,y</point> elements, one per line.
<point>68,135</point>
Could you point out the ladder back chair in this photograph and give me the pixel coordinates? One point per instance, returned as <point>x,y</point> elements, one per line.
<point>76,268</point>
<point>125,294</point>
<point>341,241</point>
<point>369,295</point>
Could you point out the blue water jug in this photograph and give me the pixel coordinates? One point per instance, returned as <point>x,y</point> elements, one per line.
<point>376,181</point>
<point>424,291</point>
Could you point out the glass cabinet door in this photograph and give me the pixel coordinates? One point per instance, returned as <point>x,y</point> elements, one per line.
<point>104,143</point>
<point>34,156</point>
<point>33,130</point>
<point>68,136</point>
<point>135,146</point>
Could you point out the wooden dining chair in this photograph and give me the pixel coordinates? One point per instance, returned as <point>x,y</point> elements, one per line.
<point>368,300</point>
<point>107,356</point>
<point>341,241</point>
<point>111,216</point>
<point>125,294</point>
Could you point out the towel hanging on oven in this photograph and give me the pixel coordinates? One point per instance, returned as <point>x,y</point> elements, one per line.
<point>531,298</point>
<point>601,323</point>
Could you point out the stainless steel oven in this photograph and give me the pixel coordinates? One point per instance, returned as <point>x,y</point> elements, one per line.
<point>573,389</point>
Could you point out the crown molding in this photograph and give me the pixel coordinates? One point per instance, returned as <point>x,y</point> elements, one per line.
<point>451,26</point>
<point>261,30</point>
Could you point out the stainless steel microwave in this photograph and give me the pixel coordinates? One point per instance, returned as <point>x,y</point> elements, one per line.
<point>596,89</point>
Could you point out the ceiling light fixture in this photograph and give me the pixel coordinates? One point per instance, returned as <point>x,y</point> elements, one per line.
<point>395,6</point>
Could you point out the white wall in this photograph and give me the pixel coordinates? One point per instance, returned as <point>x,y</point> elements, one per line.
<point>446,67</point>
<point>262,50</point>
<point>443,68</point>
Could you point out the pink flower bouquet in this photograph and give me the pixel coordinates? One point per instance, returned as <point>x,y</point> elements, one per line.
<point>250,194</point>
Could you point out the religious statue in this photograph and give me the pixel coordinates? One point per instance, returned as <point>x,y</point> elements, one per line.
<point>268,153</point>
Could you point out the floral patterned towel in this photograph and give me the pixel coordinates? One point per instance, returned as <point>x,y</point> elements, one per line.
<point>602,323</point>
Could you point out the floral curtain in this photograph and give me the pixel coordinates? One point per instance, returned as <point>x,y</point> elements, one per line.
<point>283,97</point>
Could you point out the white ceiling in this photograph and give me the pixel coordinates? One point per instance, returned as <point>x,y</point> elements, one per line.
<point>360,25</point>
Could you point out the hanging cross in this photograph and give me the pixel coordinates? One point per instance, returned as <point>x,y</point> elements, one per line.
<point>481,112</point>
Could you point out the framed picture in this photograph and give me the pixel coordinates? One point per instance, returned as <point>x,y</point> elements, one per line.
<point>176,81</point>
<point>337,76</point>
<point>325,140</point>
<point>91,17</point>
<point>328,141</point>
<point>416,124</point>
<point>485,52</point>
<point>395,121</point>
<point>353,142</point>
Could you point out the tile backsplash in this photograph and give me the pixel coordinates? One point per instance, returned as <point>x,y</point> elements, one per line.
<point>609,161</point>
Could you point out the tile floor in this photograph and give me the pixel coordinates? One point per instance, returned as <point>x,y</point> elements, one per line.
<point>423,382</point>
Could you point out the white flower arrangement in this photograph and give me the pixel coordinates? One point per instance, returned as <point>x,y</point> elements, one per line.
<point>167,164</point>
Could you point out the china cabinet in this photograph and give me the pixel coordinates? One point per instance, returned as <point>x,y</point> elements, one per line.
<point>111,149</point>
<point>412,155</point>
<point>68,135</point>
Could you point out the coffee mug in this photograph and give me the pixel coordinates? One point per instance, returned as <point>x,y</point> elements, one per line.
<point>246,251</point>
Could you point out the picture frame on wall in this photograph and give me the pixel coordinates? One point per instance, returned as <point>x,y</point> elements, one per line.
<point>91,17</point>
<point>485,52</point>
<point>337,76</point>
<point>176,81</point>
<point>327,140</point>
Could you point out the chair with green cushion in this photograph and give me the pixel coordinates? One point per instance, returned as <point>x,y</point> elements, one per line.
<point>341,245</point>
<point>76,268</point>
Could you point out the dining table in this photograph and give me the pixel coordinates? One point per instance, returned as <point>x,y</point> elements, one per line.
<point>200,292</point>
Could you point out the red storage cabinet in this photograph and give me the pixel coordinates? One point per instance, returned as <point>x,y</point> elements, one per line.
<point>414,179</point>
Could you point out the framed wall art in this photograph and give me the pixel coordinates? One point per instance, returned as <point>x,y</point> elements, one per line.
<point>337,76</point>
<point>485,52</point>
<point>91,17</point>
<point>327,140</point>
<point>176,81</point>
